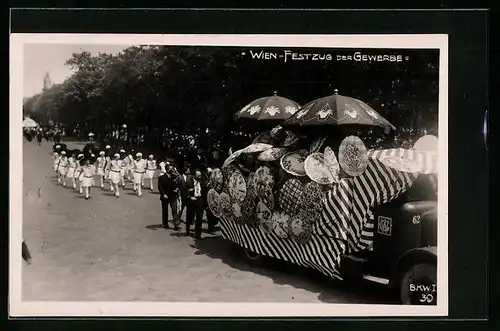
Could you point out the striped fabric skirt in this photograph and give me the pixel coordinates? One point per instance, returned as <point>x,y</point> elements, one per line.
<point>320,252</point>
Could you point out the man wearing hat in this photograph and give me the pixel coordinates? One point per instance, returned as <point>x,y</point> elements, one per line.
<point>151,170</point>
<point>130,168</point>
<point>185,180</point>
<point>107,166</point>
<point>94,167</point>
<point>194,212</point>
<point>62,168</point>
<point>125,162</point>
<point>100,165</point>
<point>115,173</point>
<point>139,165</point>
<point>168,185</point>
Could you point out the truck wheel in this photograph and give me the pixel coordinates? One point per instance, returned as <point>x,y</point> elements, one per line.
<point>418,285</point>
<point>254,258</point>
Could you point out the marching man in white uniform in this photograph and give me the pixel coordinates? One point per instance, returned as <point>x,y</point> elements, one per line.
<point>79,172</point>
<point>125,163</point>
<point>55,157</point>
<point>94,168</point>
<point>87,176</point>
<point>139,165</point>
<point>100,164</point>
<point>115,170</point>
<point>107,167</point>
<point>151,170</point>
<point>72,164</point>
<point>62,168</point>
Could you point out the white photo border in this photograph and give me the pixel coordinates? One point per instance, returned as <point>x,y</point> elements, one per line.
<point>19,308</point>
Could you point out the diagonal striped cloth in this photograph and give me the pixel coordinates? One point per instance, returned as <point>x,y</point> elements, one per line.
<point>345,213</point>
<point>316,253</point>
<point>346,223</point>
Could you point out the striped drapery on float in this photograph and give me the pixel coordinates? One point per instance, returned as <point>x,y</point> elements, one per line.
<point>346,224</point>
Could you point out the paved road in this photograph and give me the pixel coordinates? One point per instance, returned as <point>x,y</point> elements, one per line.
<point>109,249</point>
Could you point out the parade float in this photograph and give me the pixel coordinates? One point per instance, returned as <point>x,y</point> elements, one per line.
<point>304,191</point>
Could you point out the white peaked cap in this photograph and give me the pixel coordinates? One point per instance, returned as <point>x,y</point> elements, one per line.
<point>138,154</point>
<point>151,155</point>
<point>108,147</point>
<point>81,155</point>
<point>102,153</point>
<point>63,152</point>
<point>116,154</point>
<point>92,155</point>
<point>58,146</point>
<point>122,151</point>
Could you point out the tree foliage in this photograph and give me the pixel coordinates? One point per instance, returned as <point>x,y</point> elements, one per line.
<point>199,87</point>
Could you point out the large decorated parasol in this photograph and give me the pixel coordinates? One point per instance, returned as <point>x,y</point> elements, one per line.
<point>271,108</point>
<point>29,123</point>
<point>337,110</point>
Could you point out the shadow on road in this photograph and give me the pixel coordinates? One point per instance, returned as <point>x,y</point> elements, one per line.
<point>154,226</point>
<point>283,273</point>
<point>179,234</point>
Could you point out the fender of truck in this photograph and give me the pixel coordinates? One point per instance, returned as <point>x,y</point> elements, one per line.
<point>410,258</point>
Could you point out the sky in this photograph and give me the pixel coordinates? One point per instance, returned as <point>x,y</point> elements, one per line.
<point>42,58</point>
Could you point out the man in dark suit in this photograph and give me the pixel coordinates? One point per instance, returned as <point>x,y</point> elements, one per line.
<point>194,212</point>
<point>168,185</point>
<point>184,183</point>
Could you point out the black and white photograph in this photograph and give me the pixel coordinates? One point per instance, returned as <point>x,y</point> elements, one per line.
<point>228,175</point>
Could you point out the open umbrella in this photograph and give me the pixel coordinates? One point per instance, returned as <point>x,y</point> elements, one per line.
<point>337,110</point>
<point>29,123</point>
<point>273,108</point>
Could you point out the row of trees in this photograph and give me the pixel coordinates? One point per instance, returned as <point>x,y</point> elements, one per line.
<point>200,87</point>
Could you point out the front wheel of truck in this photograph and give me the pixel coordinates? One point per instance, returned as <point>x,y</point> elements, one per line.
<point>418,285</point>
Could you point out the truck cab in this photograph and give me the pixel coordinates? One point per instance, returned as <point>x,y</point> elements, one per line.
<point>404,251</point>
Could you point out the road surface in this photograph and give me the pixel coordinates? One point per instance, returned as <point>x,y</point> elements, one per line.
<point>111,249</point>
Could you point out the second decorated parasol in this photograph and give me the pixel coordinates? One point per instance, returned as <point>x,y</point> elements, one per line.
<point>337,110</point>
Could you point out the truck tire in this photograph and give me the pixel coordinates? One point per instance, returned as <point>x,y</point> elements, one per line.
<point>418,285</point>
<point>254,258</point>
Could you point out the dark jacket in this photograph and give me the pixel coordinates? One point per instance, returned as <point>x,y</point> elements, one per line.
<point>190,187</point>
<point>168,185</point>
<point>184,186</point>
